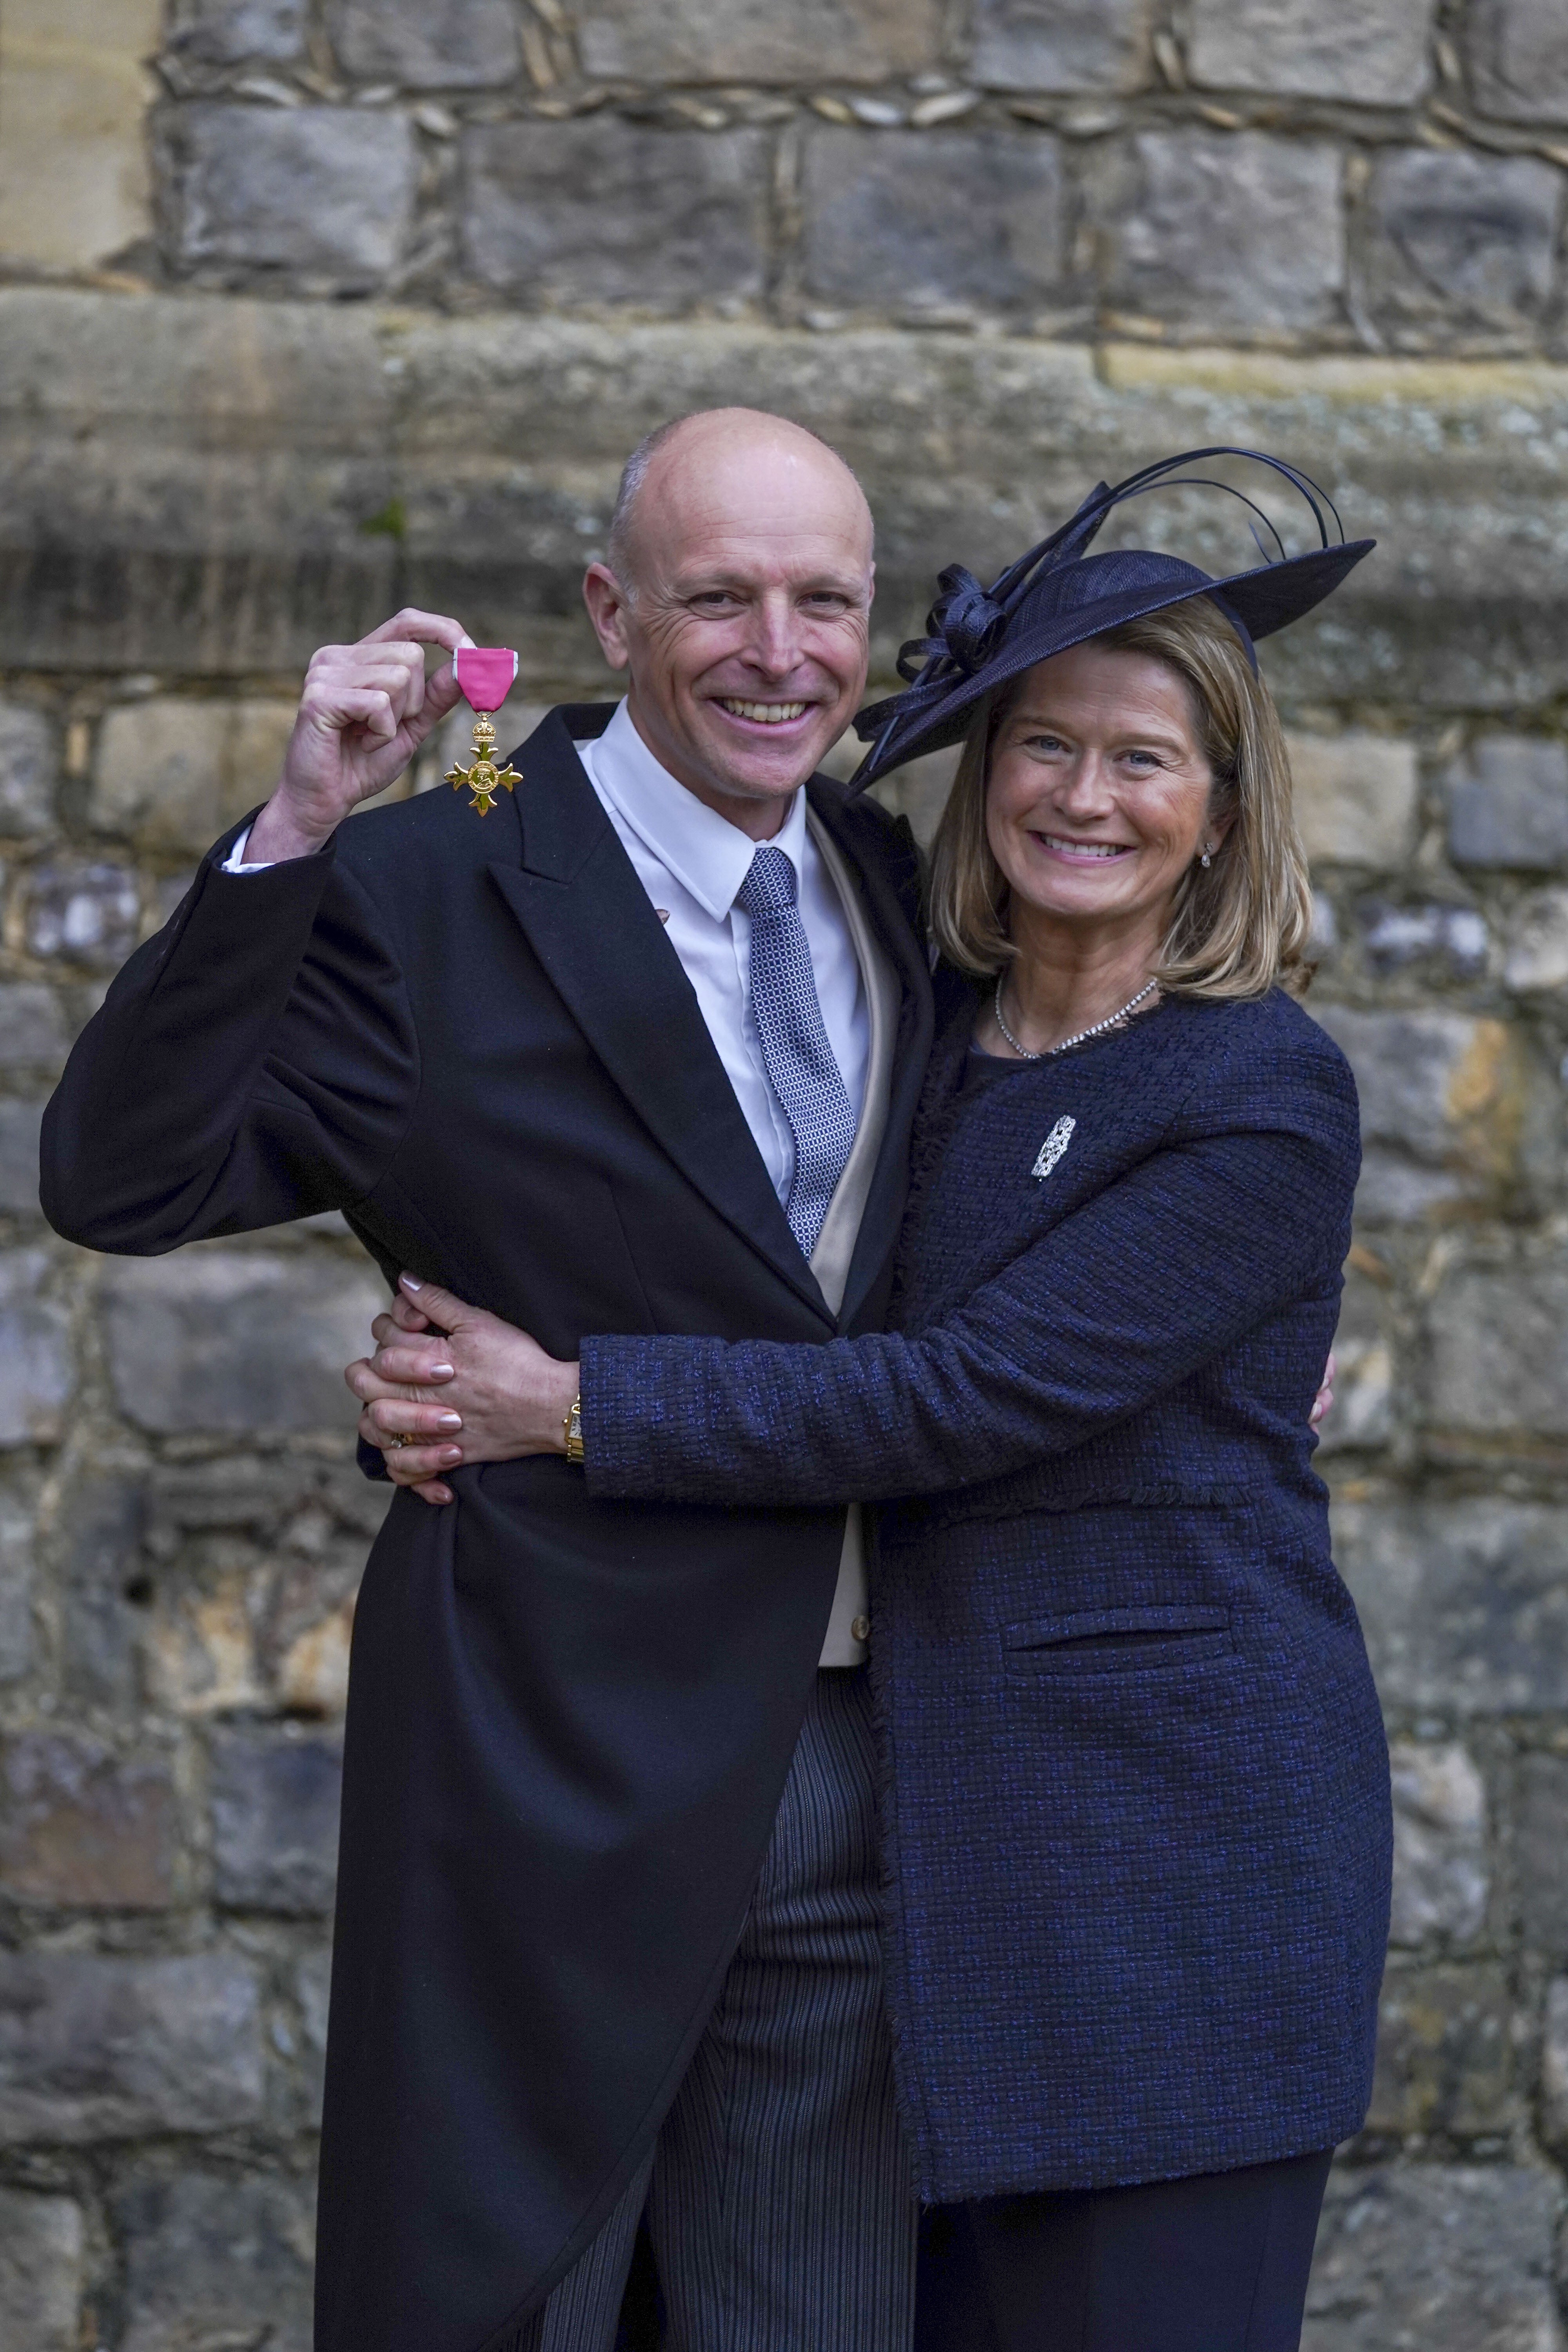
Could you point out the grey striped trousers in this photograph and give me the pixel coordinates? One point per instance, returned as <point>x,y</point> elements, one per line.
<point>779,2192</point>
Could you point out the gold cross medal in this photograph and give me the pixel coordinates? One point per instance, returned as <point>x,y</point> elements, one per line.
<point>484,676</point>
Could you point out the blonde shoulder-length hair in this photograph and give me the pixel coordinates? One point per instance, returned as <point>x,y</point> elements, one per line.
<point>1238,929</point>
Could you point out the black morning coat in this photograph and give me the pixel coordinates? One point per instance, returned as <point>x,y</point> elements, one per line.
<point>569,1721</point>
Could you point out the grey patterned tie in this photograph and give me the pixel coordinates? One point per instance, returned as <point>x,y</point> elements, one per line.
<point>795,1051</point>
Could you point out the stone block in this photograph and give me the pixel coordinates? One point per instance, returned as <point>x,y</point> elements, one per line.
<point>26,769</point>
<point>1464,1603</point>
<point>83,1829</point>
<point>1434,2258</point>
<point>1497,1352</point>
<point>1209,231</point>
<point>41,2250</point>
<point>1508,804</point>
<point>16,1643</point>
<point>604,210</point>
<point>32,1027</point>
<point>35,1370</point>
<point>1060,46</point>
<point>1442,2053</point>
<point>751,41</point>
<point>327,192</point>
<point>214,2262</point>
<point>84,911</point>
<point>97,1552</point>
<point>1519,58</point>
<point>95,2048</point>
<point>234,1340</point>
<point>1440,1876</point>
<point>1458,242</point>
<point>1363,1377</point>
<point>1554,2064</point>
<point>312,1988</point>
<point>1442,1103</point>
<point>224,32</point>
<point>1541,1853</point>
<point>1355,797</point>
<point>437,45</point>
<point>1372,51</point>
<point>176,774</point>
<point>1537,954</point>
<point>915,220</point>
<point>275,1799</point>
<point>1454,939</point>
<point>74,187</point>
<point>19,1126</point>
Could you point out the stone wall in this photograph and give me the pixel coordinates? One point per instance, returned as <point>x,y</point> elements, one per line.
<point>310,309</point>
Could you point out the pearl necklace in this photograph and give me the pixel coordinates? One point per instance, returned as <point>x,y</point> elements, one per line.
<point>1083,1035</point>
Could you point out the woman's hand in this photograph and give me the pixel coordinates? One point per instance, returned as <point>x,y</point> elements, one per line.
<point>449,1384</point>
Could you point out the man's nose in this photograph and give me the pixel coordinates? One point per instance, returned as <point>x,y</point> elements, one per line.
<point>774,642</point>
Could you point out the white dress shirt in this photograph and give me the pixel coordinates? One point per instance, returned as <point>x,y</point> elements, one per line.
<point>691,862</point>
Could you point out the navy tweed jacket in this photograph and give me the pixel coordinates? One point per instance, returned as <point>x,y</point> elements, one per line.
<point>1136,1800</point>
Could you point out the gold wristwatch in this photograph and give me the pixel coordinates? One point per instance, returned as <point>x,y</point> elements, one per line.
<point>571,1428</point>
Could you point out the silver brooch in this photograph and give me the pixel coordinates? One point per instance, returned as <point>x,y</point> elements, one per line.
<point>1055,1144</point>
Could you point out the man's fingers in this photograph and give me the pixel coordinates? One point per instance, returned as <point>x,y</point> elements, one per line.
<point>428,629</point>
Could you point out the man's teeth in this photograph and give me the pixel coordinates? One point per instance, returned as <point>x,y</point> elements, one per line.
<point>1084,848</point>
<point>770,714</point>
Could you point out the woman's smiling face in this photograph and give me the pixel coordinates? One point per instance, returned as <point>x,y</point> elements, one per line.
<point>1097,797</point>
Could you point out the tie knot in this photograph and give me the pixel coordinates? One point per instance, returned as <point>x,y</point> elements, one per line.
<point>769,887</point>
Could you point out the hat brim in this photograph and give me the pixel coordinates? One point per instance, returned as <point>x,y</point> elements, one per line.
<point>1267,598</point>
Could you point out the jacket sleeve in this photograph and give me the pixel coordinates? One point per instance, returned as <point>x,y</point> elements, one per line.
<point>1127,1296</point>
<point>255,1061</point>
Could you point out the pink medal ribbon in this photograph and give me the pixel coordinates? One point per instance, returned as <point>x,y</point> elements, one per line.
<point>484,676</point>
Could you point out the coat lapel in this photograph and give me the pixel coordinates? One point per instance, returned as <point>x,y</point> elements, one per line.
<point>575,893</point>
<point>887,871</point>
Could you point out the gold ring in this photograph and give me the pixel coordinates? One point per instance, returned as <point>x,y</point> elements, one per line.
<point>397,1438</point>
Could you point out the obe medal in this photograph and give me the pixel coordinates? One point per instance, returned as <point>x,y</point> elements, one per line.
<point>485,674</point>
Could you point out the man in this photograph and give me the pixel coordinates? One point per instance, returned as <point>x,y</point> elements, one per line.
<point>642,1053</point>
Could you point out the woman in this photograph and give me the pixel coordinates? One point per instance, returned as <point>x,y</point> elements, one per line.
<point>1136,1804</point>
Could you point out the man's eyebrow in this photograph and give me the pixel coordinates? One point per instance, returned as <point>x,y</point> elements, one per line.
<point>836,584</point>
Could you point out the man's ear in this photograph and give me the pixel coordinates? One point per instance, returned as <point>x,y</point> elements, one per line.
<point>608,602</point>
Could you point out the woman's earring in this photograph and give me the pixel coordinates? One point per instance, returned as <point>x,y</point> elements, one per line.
<point>1205,861</point>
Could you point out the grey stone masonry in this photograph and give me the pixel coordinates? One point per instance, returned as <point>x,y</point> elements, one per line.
<point>226,32</point>
<point>41,2265</point>
<point>439,45</point>
<point>1508,804</point>
<point>216,2262</point>
<point>1061,46</point>
<point>94,2047</point>
<point>1436,2259</point>
<point>1519,55</point>
<point>596,213</point>
<point>1375,51</point>
<point>28,766</point>
<point>1460,243</point>
<point>756,41</point>
<point>221,1339</point>
<point>316,190</point>
<point>1441,1880</point>
<point>936,220</point>
<point>1211,232</point>
<point>275,1802</point>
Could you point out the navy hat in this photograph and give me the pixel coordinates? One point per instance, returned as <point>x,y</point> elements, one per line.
<point>1057,596</point>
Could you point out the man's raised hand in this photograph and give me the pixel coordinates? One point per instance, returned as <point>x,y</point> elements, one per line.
<point>364,712</point>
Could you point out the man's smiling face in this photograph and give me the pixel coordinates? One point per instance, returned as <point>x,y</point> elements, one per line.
<point>745,620</point>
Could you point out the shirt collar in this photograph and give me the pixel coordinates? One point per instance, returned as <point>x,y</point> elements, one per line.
<point>708,855</point>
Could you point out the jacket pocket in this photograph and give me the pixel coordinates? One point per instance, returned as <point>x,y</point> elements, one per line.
<point>1116,1640</point>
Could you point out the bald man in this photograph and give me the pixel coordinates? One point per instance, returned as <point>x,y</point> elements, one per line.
<point>638,1053</point>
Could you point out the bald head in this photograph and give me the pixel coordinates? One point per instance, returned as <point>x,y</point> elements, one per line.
<point>738,594</point>
<point>725,442</point>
